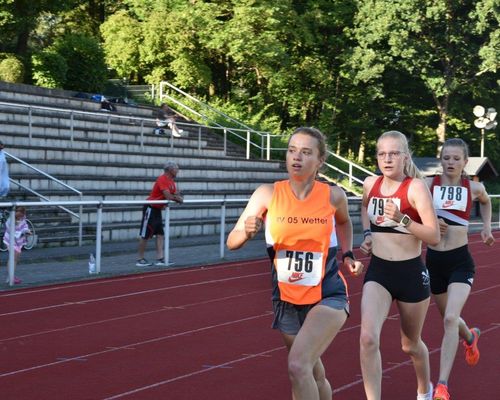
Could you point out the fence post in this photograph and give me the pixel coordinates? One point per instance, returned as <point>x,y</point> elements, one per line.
<point>268,147</point>
<point>222,228</point>
<point>98,239</point>
<point>12,237</point>
<point>80,223</point>
<point>166,231</point>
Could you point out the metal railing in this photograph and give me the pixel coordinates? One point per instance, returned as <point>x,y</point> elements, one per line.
<point>265,138</point>
<point>45,199</point>
<point>99,221</point>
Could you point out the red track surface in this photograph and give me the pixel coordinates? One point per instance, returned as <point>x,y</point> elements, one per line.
<point>205,333</point>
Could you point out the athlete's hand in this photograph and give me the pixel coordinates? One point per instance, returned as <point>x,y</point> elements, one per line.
<point>252,226</point>
<point>355,267</point>
<point>366,246</point>
<point>487,237</point>
<point>391,211</point>
<point>443,226</point>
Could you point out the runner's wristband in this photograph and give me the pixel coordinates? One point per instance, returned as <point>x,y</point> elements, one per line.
<point>349,254</point>
<point>367,232</point>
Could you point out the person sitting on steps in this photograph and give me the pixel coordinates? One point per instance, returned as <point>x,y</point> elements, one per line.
<point>166,117</point>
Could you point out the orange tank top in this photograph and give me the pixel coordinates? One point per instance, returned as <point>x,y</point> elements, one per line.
<point>301,243</point>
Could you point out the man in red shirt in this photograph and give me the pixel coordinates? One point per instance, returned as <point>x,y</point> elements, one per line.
<point>152,223</point>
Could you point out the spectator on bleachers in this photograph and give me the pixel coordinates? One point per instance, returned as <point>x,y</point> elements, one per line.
<point>166,116</point>
<point>152,222</point>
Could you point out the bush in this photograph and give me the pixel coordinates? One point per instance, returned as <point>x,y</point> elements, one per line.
<point>85,60</point>
<point>49,69</point>
<point>11,70</point>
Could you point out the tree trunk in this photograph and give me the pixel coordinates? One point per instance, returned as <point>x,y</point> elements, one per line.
<point>441,128</point>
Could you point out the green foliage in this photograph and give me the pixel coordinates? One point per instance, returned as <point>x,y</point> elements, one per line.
<point>11,69</point>
<point>85,60</point>
<point>49,69</point>
<point>118,29</point>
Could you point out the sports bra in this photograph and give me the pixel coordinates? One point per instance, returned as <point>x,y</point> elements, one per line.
<point>452,203</point>
<point>376,203</point>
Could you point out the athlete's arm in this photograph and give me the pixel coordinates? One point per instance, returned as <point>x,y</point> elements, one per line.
<point>250,220</point>
<point>343,227</point>
<point>479,193</point>
<point>366,246</point>
<point>420,198</point>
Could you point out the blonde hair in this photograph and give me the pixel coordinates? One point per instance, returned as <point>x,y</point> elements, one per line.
<point>410,169</point>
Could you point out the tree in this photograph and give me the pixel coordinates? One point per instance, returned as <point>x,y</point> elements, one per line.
<point>446,45</point>
<point>118,29</point>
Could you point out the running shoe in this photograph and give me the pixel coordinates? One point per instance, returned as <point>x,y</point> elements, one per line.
<point>160,263</point>
<point>143,263</point>
<point>471,350</point>
<point>441,392</point>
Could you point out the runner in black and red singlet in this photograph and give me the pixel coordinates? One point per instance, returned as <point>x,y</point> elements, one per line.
<point>397,216</point>
<point>449,262</point>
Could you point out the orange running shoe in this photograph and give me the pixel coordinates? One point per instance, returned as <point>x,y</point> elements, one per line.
<point>471,350</point>
<point>441,392</point>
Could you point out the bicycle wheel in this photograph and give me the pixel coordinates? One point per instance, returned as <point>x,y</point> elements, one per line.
<point>3,246</point>
<point>30,239</point>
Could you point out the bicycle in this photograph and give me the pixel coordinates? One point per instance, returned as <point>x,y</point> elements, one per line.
<point>30,239</point>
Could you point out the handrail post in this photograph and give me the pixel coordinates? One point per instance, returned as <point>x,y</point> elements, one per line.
<point>80,223</point>
<point>71,125</point>
<point>268,147</point>
<point>350,174</point>
<point>98,239</point>
<point>142,135</point>
<point>12,237</point>
<point>222,228</point>
<point>166,237</point>
<point>248,145</point>
<point>109,131</point>
<point>199,138</point>
<point>30,121</point>
<point>225,141</point>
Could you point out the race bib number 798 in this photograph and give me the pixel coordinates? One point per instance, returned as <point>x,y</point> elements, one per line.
<point>450,197</point>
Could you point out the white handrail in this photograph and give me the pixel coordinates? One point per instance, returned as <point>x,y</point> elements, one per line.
<point>53,179</point>
<point>99,210</point>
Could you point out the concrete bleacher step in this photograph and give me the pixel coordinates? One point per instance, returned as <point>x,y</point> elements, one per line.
<point>110,158</point>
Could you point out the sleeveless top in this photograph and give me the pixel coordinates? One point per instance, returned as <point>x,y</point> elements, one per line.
<point>452,203</point>
<point>302,243</point>
<point>376,203</point>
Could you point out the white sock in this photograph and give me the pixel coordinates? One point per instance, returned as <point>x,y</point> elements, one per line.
<point>426,396</point>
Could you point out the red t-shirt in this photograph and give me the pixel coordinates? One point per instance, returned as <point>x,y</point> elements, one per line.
<point>163,182</point>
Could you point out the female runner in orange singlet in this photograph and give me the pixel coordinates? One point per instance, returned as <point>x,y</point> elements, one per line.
<point>302,220</point>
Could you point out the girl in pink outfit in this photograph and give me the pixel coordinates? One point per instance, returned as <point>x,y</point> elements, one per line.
<point>20,232</point>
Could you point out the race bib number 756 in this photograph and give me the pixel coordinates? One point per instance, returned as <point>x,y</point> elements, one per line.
<point>299,267</point>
